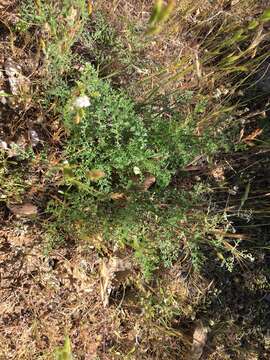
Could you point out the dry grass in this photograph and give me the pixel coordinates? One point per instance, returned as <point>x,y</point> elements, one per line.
<point>178,57</point>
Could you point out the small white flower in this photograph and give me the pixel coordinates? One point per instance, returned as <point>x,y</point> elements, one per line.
<point>82,102</point>
<point>137,170</point>
<point>34,137</point>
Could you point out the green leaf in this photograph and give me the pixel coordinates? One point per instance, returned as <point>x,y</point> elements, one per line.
<point>266,15</point>
<point>253,24</point>
<point>64,353</point>
<point>166,11</point>
<point>3,93</point>
<point>231,59</point>
<point>156,12</point>
<point>238,34</point>
<point>160,15</point>
<point>68,172</point>
<point>245,196</point>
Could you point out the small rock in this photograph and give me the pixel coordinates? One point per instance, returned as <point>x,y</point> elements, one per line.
<point>3,98</point>
<point>137,170</point>
<point>3,94</point>
<point>24,210</point>
<point>3,145</point>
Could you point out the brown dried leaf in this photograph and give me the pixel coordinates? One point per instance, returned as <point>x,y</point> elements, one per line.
<point>19,84</point>
<point>253,135</point>
<point>73,14</point>
<point>111,273</point>
<point>19,236</point>
<point>90,7</point>
<point>147,183</point>
<point>26,209</point>
<point>199,341</point>
<point>118,196</point>
<point>77,275</point>
<point>95,174</point>
<point>218,173</point>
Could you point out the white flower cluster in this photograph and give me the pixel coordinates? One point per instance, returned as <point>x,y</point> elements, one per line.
<point>82,102</point>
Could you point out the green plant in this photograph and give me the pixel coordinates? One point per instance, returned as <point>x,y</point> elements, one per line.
<point>61,23</point>
<point>111,150</point>
<point>161,13</point>
<point>110,135</point>
<point>12,182</point>
<point>101,42</point>
<point>64,353</point>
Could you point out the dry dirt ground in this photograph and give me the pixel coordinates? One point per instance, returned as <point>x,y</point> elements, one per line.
<point>41,298</point>
<point>44,298</point>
